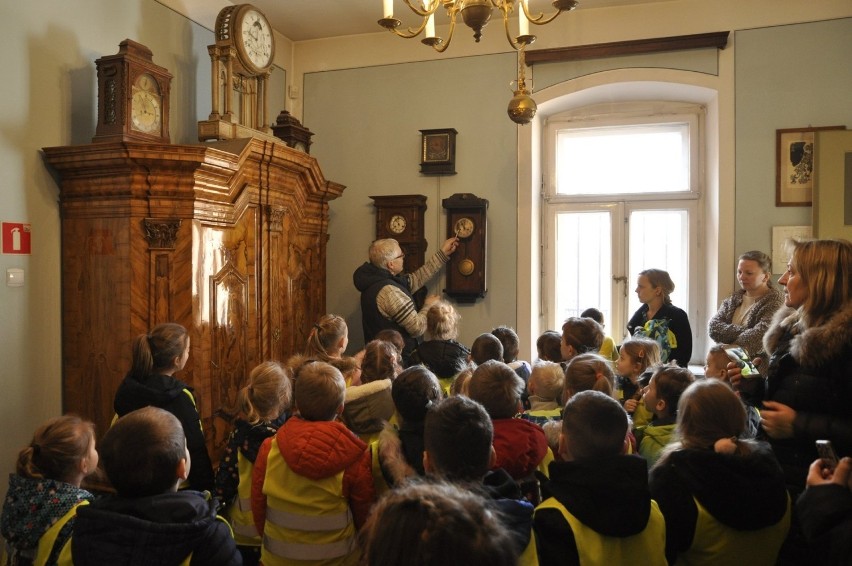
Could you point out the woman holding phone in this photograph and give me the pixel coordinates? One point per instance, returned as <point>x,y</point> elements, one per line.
<point>809,375</point>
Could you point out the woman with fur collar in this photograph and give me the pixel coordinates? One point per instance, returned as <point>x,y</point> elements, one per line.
<point>809,377</point>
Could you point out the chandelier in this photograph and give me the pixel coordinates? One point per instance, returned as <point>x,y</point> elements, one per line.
<point>476,14</point>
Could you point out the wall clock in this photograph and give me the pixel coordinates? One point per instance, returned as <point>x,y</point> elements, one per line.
<point>401,217</point>
<point>466,273</point>
<point>133,96</point>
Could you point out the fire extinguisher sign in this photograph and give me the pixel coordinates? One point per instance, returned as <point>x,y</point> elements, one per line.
<point>16,238</point>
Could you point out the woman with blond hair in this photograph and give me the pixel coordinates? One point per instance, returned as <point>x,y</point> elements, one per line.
<point>809,381</point>
<point>659,319</point>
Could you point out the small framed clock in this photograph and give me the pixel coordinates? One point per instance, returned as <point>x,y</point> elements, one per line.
<point>133,96</point>
<point>466,271</point>
<point>401,217</point>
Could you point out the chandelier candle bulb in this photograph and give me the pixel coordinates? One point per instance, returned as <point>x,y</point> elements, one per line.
<point>523,22</point>
<point>387,8</point>
<point>430,26</point>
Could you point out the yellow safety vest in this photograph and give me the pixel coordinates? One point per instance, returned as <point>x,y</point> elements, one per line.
<point>715,543</point>
<point>647,548</point>
<point>306,520</point>
<point>238,512</point>
<point>48,540</point>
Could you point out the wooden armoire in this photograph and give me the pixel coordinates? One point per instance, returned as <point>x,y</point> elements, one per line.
<point>227,239</point>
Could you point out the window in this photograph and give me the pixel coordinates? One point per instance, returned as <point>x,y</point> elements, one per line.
<point>621,195</point>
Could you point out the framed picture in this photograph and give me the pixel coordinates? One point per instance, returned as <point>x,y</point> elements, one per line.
<point>794,157</point>
<point>438,152</point>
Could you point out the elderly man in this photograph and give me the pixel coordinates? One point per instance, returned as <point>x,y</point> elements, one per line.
<point>386,295</point>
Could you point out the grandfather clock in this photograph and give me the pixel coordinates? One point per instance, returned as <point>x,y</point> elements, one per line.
<point>466,272</point>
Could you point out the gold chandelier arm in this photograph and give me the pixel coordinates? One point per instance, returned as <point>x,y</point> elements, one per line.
<point>439,44</point>
<point>540,19</point>
<point>506,7</point>
<point>410,32</point>
<point>425,13</point>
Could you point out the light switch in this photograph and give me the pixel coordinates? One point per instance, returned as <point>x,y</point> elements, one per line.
<point>15,277</point>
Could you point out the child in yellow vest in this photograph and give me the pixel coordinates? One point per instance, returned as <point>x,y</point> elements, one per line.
<point>545,392</point>
<point>598,510</point>
<point>44,493</point>
<point>261,405</point>
<point>149,521</point>
<point>312,486</point>
<point>724,499</point>
<point>635,358</point>
<point>668,382</point>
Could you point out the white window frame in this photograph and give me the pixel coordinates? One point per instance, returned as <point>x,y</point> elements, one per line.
<point>620,205</point>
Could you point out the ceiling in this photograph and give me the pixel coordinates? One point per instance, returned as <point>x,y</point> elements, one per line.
<point>301,20</point>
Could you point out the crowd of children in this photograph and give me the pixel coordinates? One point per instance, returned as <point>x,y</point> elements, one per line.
<point>593,454</point>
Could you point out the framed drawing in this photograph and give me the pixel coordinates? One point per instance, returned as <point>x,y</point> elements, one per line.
<point>438,152</point>
<point>794,159</point>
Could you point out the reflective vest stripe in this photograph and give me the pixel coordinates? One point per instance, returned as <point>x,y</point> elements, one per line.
<point>48,539</point>
<point>334,522</point>
<point>245,504</point>
<point>249,531</point>
<point>296,551</point>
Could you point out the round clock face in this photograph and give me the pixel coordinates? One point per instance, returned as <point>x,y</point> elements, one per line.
<point>397,224</point>
<point>464,227</point>
<point>145,107</point>
<point>255,36</point>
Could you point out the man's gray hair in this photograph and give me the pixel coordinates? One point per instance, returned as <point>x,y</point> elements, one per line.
<point>383,251</point>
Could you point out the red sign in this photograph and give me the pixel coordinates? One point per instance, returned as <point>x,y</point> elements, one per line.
<point>16,238</point>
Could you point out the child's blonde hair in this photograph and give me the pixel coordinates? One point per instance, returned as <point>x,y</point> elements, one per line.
<point>56,449</point>
<point>588,372</point>
<point>267,394</point>
<point>548,379</point>
<point>642,351</point>
<point>442,321</point>
<point>325,335</point>
<point>320,391</point>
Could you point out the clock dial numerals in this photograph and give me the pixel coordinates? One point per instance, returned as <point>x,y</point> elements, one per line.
<point>257,39</point>
<point>146,115</point>
<point>397,224</point>
<point>464,227</point>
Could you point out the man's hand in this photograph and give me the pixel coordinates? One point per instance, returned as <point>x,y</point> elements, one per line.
<point>450,245</point>
<point>431,300</point>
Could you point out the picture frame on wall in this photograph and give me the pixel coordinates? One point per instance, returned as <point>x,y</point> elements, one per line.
<point>438,151</point>
<point>794,158</point>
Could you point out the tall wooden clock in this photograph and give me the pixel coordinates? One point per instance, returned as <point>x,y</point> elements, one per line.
<point>133,96</point>
<point>466,273</point>
<point>241,62</point>
<point>401,217</point>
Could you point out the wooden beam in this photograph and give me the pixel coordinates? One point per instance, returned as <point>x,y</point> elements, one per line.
<point>633,47</point>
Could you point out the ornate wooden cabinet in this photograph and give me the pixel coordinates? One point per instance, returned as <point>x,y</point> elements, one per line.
<point>228,239</point>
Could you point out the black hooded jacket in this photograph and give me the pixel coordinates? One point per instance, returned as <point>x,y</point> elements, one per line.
<point>168,393</point>
<point>745,493</point>
<point>608,495</point>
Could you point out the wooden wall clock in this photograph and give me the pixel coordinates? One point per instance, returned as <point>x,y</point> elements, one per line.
<point>133,96</point>
<point>401,217</point>
<point>466,271</point>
